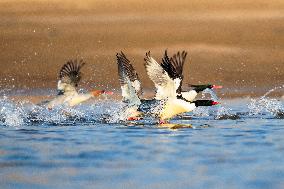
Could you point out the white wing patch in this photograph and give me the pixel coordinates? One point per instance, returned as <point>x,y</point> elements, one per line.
<point>189,95</point>
<point>165,86</point>
<point>66,87</point>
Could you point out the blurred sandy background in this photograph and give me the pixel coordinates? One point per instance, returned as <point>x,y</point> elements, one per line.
<point>237,44</point>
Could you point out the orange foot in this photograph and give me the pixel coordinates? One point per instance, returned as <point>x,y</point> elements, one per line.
<point>100,92</point>
<point>97,92</point>
<point>161,121</point>
<point>108,92</point>
<point>134,118</point>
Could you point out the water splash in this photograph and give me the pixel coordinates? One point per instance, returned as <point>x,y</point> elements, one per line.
<point>201,112</point>
<point>111,111</point>
<point>17,114</point>
<point>10,114</point>
<point>266,105</point>
<point>272,90</point>
<point>221,112</point>
<point>25,113</point>
<point>212,94</point>
<point>225,113</point>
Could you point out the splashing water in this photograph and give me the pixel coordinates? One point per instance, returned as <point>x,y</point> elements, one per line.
<point>272,90</point>
<point>110,111</point>
<point>26,113</point>
<point>225,113</point>
<point>10,114</point>
<point>221,112</point>
<point>266,105</point>
<point>201,112</point>
<point>212,94</point>
<point>114,112</point>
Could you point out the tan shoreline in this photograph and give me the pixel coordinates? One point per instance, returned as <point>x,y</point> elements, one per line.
<point>237,44</point>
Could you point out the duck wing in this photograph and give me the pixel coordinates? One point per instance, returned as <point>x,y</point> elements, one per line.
<point>129,80</point>
<point>69,76</point>
<point>174,67</point>
<point>165,86</point>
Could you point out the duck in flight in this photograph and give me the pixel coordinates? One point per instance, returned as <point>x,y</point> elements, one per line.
<point>167,77</point>
<point>69,77</point>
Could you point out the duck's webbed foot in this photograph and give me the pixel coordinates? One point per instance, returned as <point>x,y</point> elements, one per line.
<point>134,118</point>
<point>162,121</point>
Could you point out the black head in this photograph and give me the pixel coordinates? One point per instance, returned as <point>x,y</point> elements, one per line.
<point>199,88</point>
<point>60,92</point>
<point>205,103</point>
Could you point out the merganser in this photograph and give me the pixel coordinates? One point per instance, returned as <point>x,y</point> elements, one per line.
<point>69,77</point>
<point>169,101</point>
<point>191,94</point>
<point>168,78</point>
<point>174,68</point>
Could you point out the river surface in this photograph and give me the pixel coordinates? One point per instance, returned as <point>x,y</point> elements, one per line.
<point>238,144</point>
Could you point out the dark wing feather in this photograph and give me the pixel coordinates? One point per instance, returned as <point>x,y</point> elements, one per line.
<point>174,66</point>
<point>125,68</point>
<point>167,66</point>
<point>178,62</point>
<point>70,72</point>
<point>121,71</point>
<point>129,80</point>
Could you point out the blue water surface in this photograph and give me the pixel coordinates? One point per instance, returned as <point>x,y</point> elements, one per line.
<point>243,151</point>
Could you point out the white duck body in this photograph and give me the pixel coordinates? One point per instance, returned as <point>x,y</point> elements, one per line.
<point>69,99</point>
<point>174,107</point>
<point>189,95</point>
